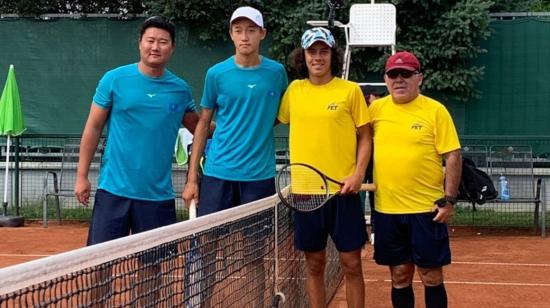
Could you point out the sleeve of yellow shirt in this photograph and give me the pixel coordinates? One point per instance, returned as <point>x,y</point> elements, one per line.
<point>358,107</point>
<point>446,137</point>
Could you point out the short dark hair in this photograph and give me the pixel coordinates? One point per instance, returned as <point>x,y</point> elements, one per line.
<point>297,60</point>
<point>160,22</point>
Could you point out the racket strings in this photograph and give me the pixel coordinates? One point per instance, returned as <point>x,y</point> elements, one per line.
<point>308,189</point>
<point>306,202</point>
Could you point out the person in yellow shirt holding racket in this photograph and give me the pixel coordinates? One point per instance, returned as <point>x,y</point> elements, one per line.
<point>329,131</point>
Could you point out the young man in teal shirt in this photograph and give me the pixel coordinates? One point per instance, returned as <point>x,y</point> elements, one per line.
<point>244,91</point>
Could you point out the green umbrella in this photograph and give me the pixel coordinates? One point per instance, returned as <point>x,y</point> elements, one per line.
<point>11,121</point>
<point>11,114</point>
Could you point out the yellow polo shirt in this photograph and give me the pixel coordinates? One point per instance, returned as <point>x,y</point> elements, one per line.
<point>409,140</point>
<point>323,121</point>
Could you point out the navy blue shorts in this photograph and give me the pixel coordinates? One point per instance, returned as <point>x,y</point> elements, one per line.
<point>342,218</point>
<point>217,194</point>
<point>411,238</point>
<point>114,216</point>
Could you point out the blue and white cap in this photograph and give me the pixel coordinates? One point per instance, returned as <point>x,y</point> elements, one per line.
<point>317,34</point>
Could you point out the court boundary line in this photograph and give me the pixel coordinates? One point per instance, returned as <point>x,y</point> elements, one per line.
<point>22,255</point>
<point>491,263</point>
<point>520,284</point>
<point>501,263</point>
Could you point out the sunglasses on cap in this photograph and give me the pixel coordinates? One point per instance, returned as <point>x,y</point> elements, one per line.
<point>404,73</point>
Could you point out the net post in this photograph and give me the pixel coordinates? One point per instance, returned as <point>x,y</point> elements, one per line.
<point>276,251</point>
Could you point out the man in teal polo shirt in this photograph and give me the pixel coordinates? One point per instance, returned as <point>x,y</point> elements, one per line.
<point>144,105</point>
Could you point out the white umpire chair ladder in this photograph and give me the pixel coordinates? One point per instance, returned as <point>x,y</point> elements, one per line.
<point>370,25</point>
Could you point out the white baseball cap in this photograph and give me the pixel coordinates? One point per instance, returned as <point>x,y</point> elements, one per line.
<point>250,13</point>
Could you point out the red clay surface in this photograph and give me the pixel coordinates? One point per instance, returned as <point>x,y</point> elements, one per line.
<point>30,242</point>
<point>490,268</point>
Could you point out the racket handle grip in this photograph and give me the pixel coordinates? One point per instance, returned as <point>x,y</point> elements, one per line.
<point>368,187</point>
<point>192,210</point>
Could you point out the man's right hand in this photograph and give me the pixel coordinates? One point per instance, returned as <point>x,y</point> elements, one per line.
<point>190,192</point>
<point>82,190</point>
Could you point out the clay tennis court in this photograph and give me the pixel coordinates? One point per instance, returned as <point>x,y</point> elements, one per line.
<point>491,268</point>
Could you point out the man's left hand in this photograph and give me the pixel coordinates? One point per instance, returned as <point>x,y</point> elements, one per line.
<point>443,213</point>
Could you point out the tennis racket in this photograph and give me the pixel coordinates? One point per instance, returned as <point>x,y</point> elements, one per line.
<point>193,267</point>
<point>304,188</point>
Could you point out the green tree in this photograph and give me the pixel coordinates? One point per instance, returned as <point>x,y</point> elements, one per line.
<point>34,7</point>
<point>509,6</point>
<point>446,38</point>
<point>540,6</point>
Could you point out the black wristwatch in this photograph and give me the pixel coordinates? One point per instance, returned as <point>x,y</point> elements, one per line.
<point>442,202</point>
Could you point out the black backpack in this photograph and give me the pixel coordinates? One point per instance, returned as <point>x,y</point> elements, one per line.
<point>475,185</point>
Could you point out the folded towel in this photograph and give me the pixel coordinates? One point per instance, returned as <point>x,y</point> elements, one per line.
<point>184,139</point>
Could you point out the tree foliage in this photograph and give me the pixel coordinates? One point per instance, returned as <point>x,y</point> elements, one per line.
<point>501,6</point>
<point>37,7</point>
<point>448,45</point>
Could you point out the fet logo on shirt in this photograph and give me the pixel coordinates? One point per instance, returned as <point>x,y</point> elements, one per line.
<point>416,126</point>
<point>332,106</point>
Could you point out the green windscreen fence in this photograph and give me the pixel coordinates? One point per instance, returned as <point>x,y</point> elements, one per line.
<point>59,62</point>
<point>516,87</point>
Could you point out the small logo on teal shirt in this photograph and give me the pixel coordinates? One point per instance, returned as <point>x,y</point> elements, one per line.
<point>174,107</point>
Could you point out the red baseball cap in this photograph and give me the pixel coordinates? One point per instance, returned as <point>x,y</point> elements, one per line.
<point>403,60</point>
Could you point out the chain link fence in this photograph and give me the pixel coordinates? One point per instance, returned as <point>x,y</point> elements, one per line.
<point>42,155</point>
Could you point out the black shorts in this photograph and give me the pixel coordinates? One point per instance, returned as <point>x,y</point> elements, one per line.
<point>411,238</point>
<point>218,195</point>
<point>114,216</point>
<point>342,218</point>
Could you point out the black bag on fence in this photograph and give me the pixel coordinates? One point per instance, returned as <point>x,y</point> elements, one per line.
<point>475,185</point>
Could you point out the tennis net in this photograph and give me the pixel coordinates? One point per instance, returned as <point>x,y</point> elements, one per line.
<point>241,257</point>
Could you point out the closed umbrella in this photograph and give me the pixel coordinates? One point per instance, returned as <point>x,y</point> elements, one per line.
<point>11,124</point>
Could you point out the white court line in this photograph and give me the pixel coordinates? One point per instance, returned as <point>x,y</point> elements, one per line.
<point>23,256</point>
<point>520,284</point>
<point>503,264</point>
<point>495,263</point>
